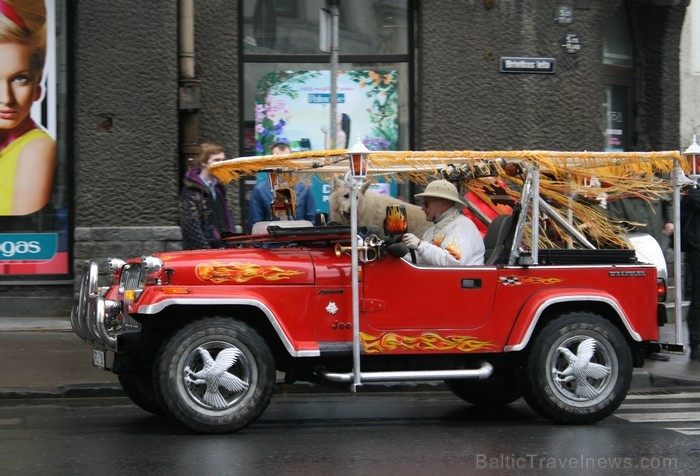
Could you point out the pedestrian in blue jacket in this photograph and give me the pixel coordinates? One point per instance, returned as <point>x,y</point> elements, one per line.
<point>259,206</point>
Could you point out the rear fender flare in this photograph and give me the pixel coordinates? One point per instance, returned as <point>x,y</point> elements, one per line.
<point>532,310</point>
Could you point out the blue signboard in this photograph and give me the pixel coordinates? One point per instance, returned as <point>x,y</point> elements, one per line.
<point>28,246</point>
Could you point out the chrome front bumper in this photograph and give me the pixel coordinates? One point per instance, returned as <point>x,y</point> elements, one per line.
<point>94,318</point>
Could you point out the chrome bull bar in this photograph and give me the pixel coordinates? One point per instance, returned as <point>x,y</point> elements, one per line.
<point>88,316</point>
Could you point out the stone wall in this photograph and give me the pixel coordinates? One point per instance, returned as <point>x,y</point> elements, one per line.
<point>102,242</point>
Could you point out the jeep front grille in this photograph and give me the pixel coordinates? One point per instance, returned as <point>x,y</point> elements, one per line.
<point>131,278</point>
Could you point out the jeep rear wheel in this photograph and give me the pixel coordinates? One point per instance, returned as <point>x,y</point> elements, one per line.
<point>578,370</point>
<point>216,375</point>
<point>499,390</point>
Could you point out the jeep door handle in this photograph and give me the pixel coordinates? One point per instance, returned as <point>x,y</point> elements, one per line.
<point>469,283</point>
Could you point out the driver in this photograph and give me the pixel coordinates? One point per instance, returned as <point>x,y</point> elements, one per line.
<point>454,239</point>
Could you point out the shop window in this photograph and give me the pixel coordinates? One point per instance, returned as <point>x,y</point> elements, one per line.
<point>618,47</point>
<point>273,27</point>
<point>287,79</point>
<point>618,83</point>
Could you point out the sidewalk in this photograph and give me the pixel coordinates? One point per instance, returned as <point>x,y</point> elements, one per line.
<point>43,358</point>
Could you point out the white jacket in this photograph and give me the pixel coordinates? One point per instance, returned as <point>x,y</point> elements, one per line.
<point>454,240</point>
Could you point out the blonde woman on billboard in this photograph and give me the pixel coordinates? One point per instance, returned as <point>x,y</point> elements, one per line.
<point>27,152</point>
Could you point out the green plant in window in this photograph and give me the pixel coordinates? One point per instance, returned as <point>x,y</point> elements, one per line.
<point>382,88</point>
<point>271,113</point>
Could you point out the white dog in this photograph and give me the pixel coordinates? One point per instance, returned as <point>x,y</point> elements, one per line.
<point>371,208</point>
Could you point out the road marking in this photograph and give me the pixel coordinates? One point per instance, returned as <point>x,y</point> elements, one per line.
<point>687,431</point>
<point>659,417</point>
<point>670,410</point>
<point>667,406</point>
<point>10,421</point>
<point>663,396</point>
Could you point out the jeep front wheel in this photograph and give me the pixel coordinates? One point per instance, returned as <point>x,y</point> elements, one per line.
<point>216,375</point>
<point>578,369</point>
<point>139,389</point>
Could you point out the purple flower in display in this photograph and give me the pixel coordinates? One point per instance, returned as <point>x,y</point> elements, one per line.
<point>376,143</point>
<point>279,127</point>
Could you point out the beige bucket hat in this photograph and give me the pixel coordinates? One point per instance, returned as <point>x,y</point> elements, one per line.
<point>442,189</point>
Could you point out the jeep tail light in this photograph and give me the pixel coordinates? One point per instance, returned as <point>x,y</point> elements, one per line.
<point>661,289</point>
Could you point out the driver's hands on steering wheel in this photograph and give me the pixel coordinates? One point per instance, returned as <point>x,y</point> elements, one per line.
<point>411,241</point>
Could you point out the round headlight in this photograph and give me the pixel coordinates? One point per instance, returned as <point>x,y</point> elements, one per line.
<point>114,265</point>
<point>151,264</point>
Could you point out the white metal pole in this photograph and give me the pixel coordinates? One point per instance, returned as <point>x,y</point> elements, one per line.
<point>355,286</point>
<point>534,252</point>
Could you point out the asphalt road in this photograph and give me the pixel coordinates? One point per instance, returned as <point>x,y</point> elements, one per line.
<point>354,434</point>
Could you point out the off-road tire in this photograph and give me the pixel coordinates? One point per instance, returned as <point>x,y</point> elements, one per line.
<point>182,378</point>
<point>499,390</point>
<point>547,367</point>
<point>140,390</point>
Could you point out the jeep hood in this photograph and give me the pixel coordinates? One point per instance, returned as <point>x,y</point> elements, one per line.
<point>252,266</point>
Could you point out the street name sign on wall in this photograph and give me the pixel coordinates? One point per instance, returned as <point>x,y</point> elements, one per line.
<point>514,64</point>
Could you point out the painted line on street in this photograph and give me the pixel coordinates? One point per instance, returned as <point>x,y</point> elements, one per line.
<point>640,405</point>
<point>690,431</point>
<point>664,396</point>
<point>659,417</point>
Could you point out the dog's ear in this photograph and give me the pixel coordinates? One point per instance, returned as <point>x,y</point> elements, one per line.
<point>335,183</point>
<point>364,188</point>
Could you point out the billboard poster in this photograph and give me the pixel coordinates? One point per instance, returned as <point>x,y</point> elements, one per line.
<point>33,204</point>
<point>294,107</point>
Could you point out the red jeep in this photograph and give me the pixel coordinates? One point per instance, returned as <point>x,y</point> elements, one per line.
<point>199,335</point>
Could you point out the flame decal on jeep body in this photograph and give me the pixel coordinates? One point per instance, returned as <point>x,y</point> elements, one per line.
<point>240,273</point>
<point>389,341</point>
<point>518,280</point>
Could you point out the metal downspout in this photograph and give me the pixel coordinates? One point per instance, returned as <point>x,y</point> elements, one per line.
<point>189,101</point>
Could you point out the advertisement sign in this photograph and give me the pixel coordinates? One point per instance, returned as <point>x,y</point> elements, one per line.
<point>294,107</point>
<point>33,209</point>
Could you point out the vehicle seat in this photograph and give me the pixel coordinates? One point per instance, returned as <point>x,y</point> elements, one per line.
<point>260,228</point>
<point>495,238</point>
<point>499,238</point>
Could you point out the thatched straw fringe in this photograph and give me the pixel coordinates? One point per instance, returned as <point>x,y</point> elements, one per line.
<point>568,180</point>
<point>557,164</point>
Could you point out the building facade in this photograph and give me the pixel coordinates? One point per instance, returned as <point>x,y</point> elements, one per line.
<point>140,84</point>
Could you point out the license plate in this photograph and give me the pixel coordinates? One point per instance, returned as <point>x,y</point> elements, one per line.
<point>98,358</point>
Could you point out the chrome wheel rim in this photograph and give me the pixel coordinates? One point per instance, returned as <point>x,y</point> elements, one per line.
<point>582,369</point>
<point>217,375</point>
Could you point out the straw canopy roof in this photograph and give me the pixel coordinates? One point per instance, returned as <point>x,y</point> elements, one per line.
<point>584,176</point>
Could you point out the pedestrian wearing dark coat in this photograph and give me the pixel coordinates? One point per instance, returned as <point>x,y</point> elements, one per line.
<point>204,213</point>
<point>641,215</point>
<point>690,244</point>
